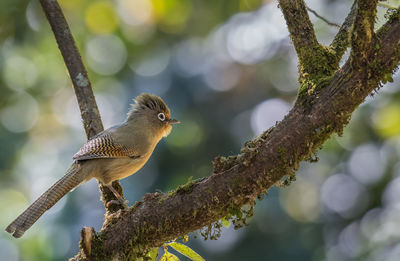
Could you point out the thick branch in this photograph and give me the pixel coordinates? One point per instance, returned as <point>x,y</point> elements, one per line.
<point>83,89</point>
<point>239,180</point>
<point>342,38</point>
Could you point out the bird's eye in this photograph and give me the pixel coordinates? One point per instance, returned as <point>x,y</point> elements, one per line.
<point>161,116</point>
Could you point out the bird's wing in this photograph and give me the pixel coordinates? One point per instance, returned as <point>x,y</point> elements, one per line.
<point>104,146</point>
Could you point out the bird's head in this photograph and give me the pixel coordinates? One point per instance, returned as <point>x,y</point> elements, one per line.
<point>155,113</point>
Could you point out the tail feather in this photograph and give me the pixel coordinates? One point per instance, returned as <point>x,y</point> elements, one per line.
<point>23,222</point>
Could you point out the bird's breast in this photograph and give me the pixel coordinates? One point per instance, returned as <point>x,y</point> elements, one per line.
<point>120,168</point>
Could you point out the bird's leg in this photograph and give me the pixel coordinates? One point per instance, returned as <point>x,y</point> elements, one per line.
<point>119,200</point>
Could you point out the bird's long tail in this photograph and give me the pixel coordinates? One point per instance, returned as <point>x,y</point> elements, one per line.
<point>23,222</point>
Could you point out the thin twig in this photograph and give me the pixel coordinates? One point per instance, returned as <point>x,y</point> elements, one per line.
<point>83,89</point>
<point>322,18</point>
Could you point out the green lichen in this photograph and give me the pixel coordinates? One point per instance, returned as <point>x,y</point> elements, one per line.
<point>97,251</point>
<point>212,231</point>
<point>183,189</point>
<point>161,200</point>
<point>320,61</point>
<point>316,68</point>
<point>242,217</point>
<point>237,214</point>
<point>224,163</point>
<point>82,80</point>
<point>392,14</point>
<point>312,158</point>
<point>309,88</point>
<point>282,151</point>
<point>287,180</point>
<point>248,151</point>
<point>387,77</point>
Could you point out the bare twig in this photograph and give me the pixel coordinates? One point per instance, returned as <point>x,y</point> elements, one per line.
<point>342,38</point>
<point>83,89</point>
<point>322,18</point>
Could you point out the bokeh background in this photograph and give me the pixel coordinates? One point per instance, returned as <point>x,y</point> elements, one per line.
<point>228,71</point>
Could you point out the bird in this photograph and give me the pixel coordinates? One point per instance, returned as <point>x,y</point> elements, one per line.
<point>112,154</point>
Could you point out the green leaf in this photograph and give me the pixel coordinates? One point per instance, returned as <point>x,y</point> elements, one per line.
<point>153,253</point>
<point>225,222</point>
<point>186,251</point>
<point>169,257</point>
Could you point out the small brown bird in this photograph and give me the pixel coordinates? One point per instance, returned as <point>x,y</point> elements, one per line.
<point>113,154</point>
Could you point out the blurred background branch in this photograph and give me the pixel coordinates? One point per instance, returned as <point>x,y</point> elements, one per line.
<point>83,89</point>
<point>322,18</point>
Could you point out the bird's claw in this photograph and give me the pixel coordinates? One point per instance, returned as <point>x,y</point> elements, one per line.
<point>121,202</point>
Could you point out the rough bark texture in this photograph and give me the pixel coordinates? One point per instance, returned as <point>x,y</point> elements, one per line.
<point>327,97</point>
<point>83,90</point>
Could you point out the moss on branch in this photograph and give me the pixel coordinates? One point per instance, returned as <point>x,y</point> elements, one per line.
<point>342,38</point>
<point>363,35</point>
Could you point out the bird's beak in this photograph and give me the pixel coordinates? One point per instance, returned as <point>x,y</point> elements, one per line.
<point>173,121</point>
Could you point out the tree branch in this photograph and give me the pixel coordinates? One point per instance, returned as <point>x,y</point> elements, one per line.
<point>322,18</point>
<point>83,89</point>
<point>239,180</point>
<point>342,38</point>
<point>302,34</point>
<point>363,35</point>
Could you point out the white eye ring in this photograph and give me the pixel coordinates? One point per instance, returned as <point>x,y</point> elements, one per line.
<point>161,116</point>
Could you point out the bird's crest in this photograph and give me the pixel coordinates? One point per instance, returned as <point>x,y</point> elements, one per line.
<point>147,101</point>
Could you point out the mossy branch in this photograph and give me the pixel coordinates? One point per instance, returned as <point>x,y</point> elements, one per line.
<point>317,63</point>
<point>363,35</point>
<point>342,38</point>
<point>239,180</point>
<point>80,80</point>
<point>302,34</point>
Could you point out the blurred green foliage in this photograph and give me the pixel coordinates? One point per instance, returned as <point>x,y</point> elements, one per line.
<point>228,71</point>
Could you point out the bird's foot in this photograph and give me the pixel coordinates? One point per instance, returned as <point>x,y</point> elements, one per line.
<point>120,201</point>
